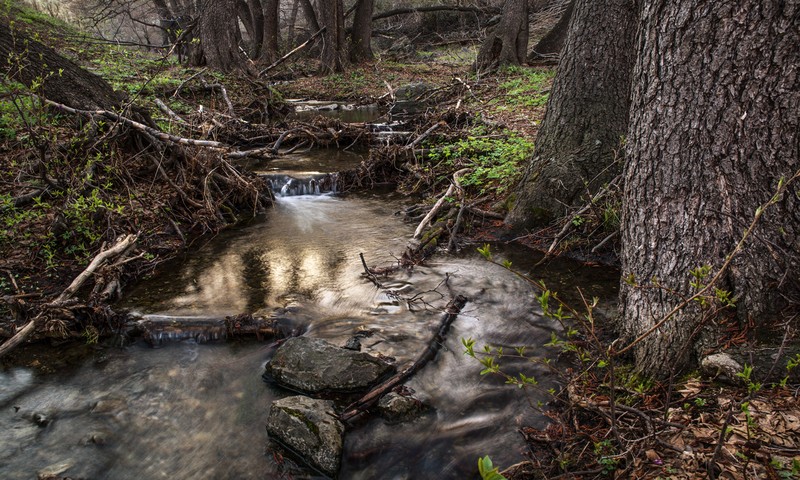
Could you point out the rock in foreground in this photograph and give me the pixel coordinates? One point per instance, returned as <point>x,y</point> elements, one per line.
<point>312,366</point>
<point>309,427</point>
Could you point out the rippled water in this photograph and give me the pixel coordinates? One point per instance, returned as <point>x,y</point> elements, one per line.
<point>187,411</point>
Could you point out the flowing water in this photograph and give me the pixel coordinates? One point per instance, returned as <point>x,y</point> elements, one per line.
<point>189,410</point>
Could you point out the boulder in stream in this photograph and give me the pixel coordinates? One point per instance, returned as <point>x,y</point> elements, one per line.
<point>308,427</point>
<point>313,366</point>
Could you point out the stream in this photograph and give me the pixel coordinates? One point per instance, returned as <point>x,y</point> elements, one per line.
<point>189,410</point>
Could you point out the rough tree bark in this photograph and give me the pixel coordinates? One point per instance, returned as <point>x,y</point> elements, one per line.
<point>27,61</point>
<point>508,42</point>
<point>715,122</point>
<point>361,35</point>
<point>586,117</point>
<point>218,30</point>
<point>331,16</point>
<point>552,43</point>
<point>269,51</point>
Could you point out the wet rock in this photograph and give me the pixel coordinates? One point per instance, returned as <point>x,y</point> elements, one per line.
<point>52,471</point>
<point>312,366</point>
<point>721,365</point>
<point>41,419</point>
<point>396,407</point>
<point>353,344</point>
<point>110,406</point>
<point>308,427</point>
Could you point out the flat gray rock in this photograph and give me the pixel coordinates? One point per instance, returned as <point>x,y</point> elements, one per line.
<point>312,366</point>
<point>309,427</point>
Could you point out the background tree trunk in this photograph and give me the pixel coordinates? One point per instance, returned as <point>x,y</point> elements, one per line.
<point>27,61</point>
<point>361,36</point>
<point>219,33</point>
<point>292,22</point>
<point>331,16</point>
<point>271,31</point>
<point>508,42</point>
<point>715,122</point>
<point>550,46</point>
<point>587,114</point>
<point>252,16</point>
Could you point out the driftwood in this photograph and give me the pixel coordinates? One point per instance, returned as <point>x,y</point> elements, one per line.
<point>364,403</point>
<point>160,329</point>
<point>122,246</point>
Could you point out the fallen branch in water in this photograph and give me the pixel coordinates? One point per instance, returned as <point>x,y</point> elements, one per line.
<point>361,405</point>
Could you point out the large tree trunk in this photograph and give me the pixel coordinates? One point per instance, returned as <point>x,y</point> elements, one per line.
<point>715,122</point>
<point>31,63</point>
<point>550,46</point>
<point>508,42</point>
<point>219,33</point>
<point>331,17</point>
<point>361,36</point>
<point>587,114</point>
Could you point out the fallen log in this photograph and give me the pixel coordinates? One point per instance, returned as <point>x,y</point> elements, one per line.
<point>363,404</point>
<point>160,329</point>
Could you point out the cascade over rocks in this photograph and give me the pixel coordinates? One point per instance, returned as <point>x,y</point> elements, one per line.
<point>310,428</point>
<point>313,366</point>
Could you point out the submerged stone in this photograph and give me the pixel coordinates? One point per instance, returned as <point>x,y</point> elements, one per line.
<point>308,427</point>
<point>395,407</point>
<point>312,365</point>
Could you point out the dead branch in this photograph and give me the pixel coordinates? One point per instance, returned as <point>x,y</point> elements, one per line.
<point>424,135</point>
<point>568,224</point>
<point>168,111</point>
<point>121,246</point>
<point>434,8</point>
<point>438,205</point>
<point>118,249</point>
<point>290,54</point>
<point>180,87</point>
<point>364,403</point>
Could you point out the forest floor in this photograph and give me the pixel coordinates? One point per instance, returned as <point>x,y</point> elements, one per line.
<point>70,187</point>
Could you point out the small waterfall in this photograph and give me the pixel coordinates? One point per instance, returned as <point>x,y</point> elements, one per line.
<point>283,185</point>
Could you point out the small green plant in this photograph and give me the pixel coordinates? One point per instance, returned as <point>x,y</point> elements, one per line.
<point>604,450</point>
<point>487,470</point>
<point>495,163</point>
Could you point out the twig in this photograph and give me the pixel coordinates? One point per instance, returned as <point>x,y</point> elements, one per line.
<point>290,54</point>
<point>180,87</point>
<point>604,241</point>
<point>168,111</point>
<point>424,135</point>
